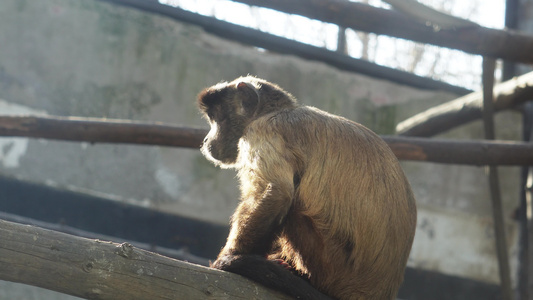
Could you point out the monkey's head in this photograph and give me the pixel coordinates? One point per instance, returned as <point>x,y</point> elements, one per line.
<point>230,107</point>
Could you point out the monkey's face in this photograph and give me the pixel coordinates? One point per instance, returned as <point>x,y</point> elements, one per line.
<point>229,108</point>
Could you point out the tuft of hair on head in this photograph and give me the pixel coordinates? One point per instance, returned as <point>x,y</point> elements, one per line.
<point>209,97</point>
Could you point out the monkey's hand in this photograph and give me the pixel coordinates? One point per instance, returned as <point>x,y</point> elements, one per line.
<point>222,262</point>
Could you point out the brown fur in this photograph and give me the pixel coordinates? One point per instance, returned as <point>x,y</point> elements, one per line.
<point>321,192</point>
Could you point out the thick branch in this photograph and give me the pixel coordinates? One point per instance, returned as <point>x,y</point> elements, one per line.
<point>122,131</point>
<point>467,108</point>
<point>506,44</point>
<point>95,269</point>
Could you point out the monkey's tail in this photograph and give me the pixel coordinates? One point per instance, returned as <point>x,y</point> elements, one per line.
<point>271,275</point>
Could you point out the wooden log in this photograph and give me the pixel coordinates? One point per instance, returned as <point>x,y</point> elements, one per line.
<point>468,108</point>
<point>179,254</point>
<point>475,39</point>
<point>95,269</point>
<point>125,131</point>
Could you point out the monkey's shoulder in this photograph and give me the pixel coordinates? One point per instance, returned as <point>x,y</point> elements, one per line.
<point>311,120</point>
<point>305,131</point>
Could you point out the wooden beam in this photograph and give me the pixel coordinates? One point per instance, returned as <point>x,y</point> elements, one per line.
<point>468,108</point>
<point>95,130</point>
<point>125,131</point>
<point>182,254</point>
<point>95,269</point>
<point>461,152</point>
<point>474,39</point>
<point>283,45</point>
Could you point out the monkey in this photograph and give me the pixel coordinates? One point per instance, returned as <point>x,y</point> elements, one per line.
<point>326,211</point>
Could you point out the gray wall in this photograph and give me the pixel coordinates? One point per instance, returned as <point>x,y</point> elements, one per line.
<point>92,59</point>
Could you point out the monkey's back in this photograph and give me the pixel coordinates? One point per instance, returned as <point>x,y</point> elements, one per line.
<point>353,217</point>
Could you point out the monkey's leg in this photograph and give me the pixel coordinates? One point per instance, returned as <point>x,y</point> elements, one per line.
<point>271,275</point>
<point>255,225</point>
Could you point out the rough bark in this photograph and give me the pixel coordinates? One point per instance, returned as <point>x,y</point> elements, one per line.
<point>95,269</point>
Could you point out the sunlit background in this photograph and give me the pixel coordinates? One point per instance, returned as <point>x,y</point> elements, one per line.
<point>452,66</point>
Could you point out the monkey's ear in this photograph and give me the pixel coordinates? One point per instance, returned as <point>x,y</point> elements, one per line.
<point>249,97</point>
<point>208,97</point>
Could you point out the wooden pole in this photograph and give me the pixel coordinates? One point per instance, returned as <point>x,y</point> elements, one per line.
<point>95,269</point>
<point>95,130</point>
<point>470,38</point>
<point>529,214</point>
<point>477,153</point>
<point>283,45</point>
<point>494,182</point>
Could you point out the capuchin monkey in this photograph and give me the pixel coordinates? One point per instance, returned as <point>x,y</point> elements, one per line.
<point>326,211</point>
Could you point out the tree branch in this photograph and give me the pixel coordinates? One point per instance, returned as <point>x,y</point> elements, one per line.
<point>95,269</point>
<point>468,108</point>
<point>124,131</point>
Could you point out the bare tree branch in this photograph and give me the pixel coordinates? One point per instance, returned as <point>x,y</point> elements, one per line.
<point>95,269</point>
<point>468,108</point>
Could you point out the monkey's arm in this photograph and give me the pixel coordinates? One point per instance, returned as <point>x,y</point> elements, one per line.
<point>267,186</point>
<point>267,191</point>
<point>262,211</point>
<point>255,225</point>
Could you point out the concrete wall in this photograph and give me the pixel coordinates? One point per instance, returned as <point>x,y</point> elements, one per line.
<point>89,58</point>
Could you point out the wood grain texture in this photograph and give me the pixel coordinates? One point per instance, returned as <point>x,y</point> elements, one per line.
<point>95,269</point>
